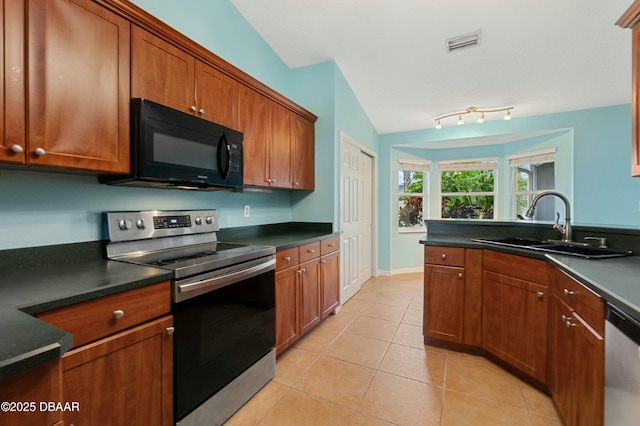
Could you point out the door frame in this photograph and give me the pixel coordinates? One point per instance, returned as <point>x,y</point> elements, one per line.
<point>345,138</point>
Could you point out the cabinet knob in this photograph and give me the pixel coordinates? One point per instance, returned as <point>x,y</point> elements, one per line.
<point>539,294</point>
<point>444,256</point>
<point>287,259</point>
<point>269,180</point>
<point>192,108</point>
<point>460,275</point>
<point>324,262</point>
<point>40,152</point>
<point>296,183</point>
<point>312,251</point>
<point>170,330</point>
<point>201,111</point>
<point>568,292</point>
<point>118,313</point>
<point>332,245</point>
<point>16,148</point>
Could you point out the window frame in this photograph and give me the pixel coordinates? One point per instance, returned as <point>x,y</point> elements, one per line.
<point>422,166</point>
<point>527,158</point>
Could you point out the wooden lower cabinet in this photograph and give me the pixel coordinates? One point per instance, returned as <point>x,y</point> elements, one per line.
<point>576,379</point>
<point>307,289</point>
<point>452,295</point>
<point>40,384</point>
<point>514,322</point>
<point>124,379</point>
<point>330,283</point>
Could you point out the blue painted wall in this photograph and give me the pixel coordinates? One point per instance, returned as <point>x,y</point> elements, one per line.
<point>594,143</point>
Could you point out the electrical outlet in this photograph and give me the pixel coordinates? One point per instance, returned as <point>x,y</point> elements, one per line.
<point>247,211</point>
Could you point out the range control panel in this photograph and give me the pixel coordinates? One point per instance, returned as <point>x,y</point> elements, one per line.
<point>129,226</point>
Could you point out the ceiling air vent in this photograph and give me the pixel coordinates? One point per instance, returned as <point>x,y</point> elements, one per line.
<point>467,40</point>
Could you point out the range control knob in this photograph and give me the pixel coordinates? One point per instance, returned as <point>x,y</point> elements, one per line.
<point>198,220</point>
<point>140,224</point>
<point>124,224</point>
<point>209,220</point>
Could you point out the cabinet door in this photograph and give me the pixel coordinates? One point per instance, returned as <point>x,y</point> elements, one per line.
<point>126,379</point>
<point>161,72</point>
<point>309,295</point>
<point>12,69</point>
<point>514,322</point>
<point>330,265</point>
<point>443,302</point>
<point>40,384</point>
<point>216,96</point>
<point>302,139</point>
<point>287,323</point>
<point>577,367</point>
<point>280,159</point>
<point>78,115</point>
<point>254,115</point>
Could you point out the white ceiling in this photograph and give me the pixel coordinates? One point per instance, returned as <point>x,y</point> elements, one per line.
<point>540,56</point>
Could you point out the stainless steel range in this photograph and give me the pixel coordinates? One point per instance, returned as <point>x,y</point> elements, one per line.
<point>223,307</point>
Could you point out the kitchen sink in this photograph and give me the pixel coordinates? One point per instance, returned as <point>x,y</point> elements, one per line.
<point>550,246</point>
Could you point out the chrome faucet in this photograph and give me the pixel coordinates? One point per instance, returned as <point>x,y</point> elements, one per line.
<point>565,230</point>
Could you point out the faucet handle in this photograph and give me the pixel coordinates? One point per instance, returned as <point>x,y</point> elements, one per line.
<point>602,241</point>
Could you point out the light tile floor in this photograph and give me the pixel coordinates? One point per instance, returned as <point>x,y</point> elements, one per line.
<point>367,365</point>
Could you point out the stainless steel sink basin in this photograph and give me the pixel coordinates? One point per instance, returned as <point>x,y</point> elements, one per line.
<point>549,246</point>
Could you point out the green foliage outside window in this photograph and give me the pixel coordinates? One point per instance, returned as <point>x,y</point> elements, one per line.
<point>411,207</point>
<point>464,205</point>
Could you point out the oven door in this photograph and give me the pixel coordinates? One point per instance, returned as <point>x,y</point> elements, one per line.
<point>178,147</point>
<point>223,330</point>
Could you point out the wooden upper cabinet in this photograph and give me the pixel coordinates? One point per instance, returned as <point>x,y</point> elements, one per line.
<point>216,96</point>
<point>254,118</point>
<point>279,162</point>
<point>78,86</point>
<point>12,70</point>
<point>303,144</point>
<point>631,19</point>
<point>160,72</point>
<point>165,74</point>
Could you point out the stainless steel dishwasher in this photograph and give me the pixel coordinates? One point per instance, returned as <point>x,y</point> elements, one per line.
<point>622,369</point>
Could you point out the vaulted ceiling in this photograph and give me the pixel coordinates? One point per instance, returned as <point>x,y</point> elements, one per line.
<point>539,56</point>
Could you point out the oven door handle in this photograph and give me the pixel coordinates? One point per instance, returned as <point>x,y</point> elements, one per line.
<point>225,280</point>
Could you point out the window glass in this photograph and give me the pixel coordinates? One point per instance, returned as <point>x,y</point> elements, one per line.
<point>412,196</point>
<point>468,189</point>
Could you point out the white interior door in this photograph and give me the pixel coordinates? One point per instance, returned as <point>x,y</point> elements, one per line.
<point>356,177</point>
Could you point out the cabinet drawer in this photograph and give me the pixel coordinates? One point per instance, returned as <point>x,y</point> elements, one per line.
<point>309,251</point>
<point>329,245</point>
<point>93,320</point>
<point>287,258</point>
<point>524,268</point>
<point>447,256</point>
<point>580,299</point>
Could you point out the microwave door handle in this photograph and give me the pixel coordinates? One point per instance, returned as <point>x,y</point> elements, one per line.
<point>224,168</point>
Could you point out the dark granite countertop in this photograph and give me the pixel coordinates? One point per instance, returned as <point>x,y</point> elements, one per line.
<point>39,279</point>
<point>280,235</point>
<point>614,279</point>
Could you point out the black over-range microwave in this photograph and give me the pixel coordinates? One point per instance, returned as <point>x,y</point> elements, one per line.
<point>172,149</point>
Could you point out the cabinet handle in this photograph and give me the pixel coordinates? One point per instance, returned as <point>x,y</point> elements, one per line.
<point>567,321</point>
<point>119,313</point>
<point>269,181</point>
<point>332,245</point>
<point>287,259</point>
<point>201,111</point>
<point>40,152</point>
<point>16,148</point>
<point>460,275</point>
<point>444,256</point>
<point>170,330</point>
<point>312,251</point>
<point>192,108</point>
<point>296,184</point>
<point>539,294</point>
<point>568,292</point>
<point>324,262</point>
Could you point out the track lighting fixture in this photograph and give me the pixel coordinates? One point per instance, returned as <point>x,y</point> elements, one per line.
<point>472,110</point>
